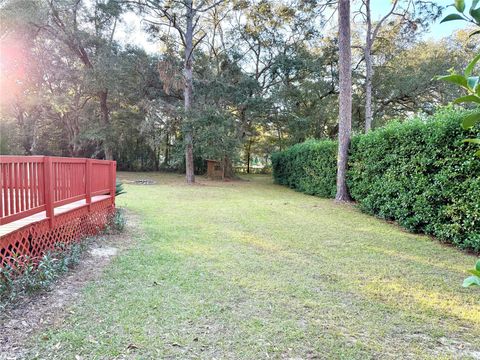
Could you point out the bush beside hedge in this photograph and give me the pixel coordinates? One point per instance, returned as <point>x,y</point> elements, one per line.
<point>309,167</point>
<point>417,173</point>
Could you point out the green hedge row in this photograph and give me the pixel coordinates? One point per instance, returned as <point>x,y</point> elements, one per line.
<point>309,167</point>
<point>417,173</point>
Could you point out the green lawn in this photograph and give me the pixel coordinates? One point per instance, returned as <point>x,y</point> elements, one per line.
<point>251,270</point>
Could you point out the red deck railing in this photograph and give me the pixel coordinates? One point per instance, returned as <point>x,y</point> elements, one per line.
<point>32,184</point>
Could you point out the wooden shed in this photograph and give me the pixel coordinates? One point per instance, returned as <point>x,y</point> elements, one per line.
<point>214,169</point>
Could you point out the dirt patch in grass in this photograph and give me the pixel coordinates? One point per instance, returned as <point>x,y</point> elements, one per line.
<point>142,182</point>
<point>49,308</point>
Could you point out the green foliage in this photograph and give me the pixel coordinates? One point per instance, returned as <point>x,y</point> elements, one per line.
<point>309,167</point>
<point>473,15</point>
<point>466,81</point>
<point>475,278</point>
<point>119,190</point>
<point>25,275</point>
<point>117,222</point>
<point>257,88</point>
<point>471,85</point>
<point>215,134</point>
<point>419,175</point>
<point>415,173</point>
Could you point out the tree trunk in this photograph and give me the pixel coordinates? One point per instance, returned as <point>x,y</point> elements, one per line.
<point>188,92</point>
<point>248,155</point>
<point>228,171</point>
<point>224,164</point>
<point>369,70</point>
<point>167,151</point>
<point>156,158</point>
<point>345,98</point>
<point>105,115</point>
<point>27,139</point>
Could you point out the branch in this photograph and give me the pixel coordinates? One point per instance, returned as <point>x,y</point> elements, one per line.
<point>382,20</point>
<point>199,8</point>
<point>194,45</point>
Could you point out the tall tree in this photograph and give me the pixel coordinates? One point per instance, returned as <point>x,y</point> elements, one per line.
<point>88,32</point>
<point>370,36</point>
<point>345,97</point>
<point>185,17</point>
<point>410,14</point>
<point>188,91</point>
<point>267,38</point>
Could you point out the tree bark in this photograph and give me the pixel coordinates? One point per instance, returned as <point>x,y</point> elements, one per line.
<point>345,98</point>
<point>105,115</point>
<point>188,91</point>
<point>248,155</point>
<point>228,171</point>
<point>370,38</point>
<point>156,157</point>
<point>369,69</point>
<point>167,151</point>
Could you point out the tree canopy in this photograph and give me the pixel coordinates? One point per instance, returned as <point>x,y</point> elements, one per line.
<point>264,76</point>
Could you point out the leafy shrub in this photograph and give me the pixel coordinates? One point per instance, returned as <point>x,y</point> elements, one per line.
<point>416,173</point>
<point>117,222</point>
<point>24,275</point>
<point>309,167</point>
<point>27,275</point>
<point>119,190</point>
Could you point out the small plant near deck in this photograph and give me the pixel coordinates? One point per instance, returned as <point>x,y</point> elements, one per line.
<point>25,276</point>
<point>473,280</point>
<point>116,223</point>
<point>119,190</point>
<point>6,284</point>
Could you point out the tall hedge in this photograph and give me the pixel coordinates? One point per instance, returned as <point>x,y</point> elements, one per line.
<point>417,173</point>
<point>309,167</point>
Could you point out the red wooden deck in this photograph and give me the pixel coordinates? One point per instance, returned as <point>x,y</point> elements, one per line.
<point>26,221</point>
<point>48,201</point>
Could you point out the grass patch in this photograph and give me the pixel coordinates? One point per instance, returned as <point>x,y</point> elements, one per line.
<point>248,270</point>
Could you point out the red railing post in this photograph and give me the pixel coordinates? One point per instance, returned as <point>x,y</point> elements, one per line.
<point>113,180</point>
<point>48,183</point>
<point>88,182</point>
<point>1,192</point>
